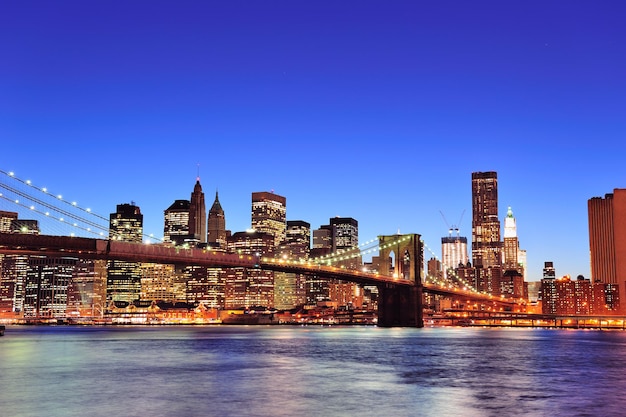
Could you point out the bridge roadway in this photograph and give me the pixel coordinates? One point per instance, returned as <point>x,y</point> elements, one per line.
<point>91,248</point>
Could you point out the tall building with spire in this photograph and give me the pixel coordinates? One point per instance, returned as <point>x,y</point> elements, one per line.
<point>269,215</point>
<point>511,243</point>
<point>486,245</point>
<point>197,214</point>
<point>217,233</point>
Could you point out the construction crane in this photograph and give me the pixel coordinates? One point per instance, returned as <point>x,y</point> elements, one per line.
<point>452,228</point>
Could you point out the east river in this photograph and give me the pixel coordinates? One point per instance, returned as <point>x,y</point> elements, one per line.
<point>48,371</point>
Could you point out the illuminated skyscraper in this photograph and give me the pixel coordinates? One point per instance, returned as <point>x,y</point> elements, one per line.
<point>6,217</point>
<point>511,243</point>
<point>246,287</point>
<point>486,245</point>
<point>453,253</point>
<point>124,278</point>
<point>176,222</point>
<point>269,213</point>
<point>14,269</point>
<point>45,290</point>
<point>197,214</point>
<point>217,225</point>
<point>289,288</point>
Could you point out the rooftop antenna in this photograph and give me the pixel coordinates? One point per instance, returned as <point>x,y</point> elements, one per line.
<point>198,176</point>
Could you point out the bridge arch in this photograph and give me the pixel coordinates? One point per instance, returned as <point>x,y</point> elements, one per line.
<point>407,259</point>
<point>401,306</point>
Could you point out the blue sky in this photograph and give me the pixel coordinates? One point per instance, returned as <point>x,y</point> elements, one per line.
<point>374,110</point>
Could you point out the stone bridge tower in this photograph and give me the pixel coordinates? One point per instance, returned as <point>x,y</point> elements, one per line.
<point>401,256</point>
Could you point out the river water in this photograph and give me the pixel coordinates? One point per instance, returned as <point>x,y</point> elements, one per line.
<point>48,371</point>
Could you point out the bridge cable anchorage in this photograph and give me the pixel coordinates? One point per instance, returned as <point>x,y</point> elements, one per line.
<point>85,216</point>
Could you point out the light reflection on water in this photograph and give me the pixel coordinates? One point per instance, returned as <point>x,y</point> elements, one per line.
<point>310,371</point>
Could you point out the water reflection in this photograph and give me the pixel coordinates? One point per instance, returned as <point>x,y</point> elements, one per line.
<point>310,371</point>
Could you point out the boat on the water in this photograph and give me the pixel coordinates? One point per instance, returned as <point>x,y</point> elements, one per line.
<point>1,330</point>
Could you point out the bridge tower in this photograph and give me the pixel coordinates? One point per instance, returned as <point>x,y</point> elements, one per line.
<point>401,305</point>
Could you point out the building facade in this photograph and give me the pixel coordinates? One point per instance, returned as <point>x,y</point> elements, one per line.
<point>217,234</point>
<point>176,222</point>
<point>197,214</point>
<point>269,215</point>
<point>124,278</point>
<point>486,245</point>
<point>607,239</point>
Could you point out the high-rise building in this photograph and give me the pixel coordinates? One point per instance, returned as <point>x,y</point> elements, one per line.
<point>289,288</point>
<point>486,245</point>
<point>548,294</point>
<point>124,278</point>
<point>511,243</point>
<point>45,289</point>
<point>6,217</point>
<point>197,214</point>
<point>217,233</point>
<point>86,293</point>
<point>453,254</point>
<point>323,238</point>
<point>176,222</point>
<point>269,215</point>
<point>249,287</point>
<point>14,269</point>
<point>345,233</point>
<point>607,237</point>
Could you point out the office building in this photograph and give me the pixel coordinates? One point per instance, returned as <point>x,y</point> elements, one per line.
<point>217,234</point>
<point>486,245</point>
<point>45,289</point>
<point>124,278</point>
<point>247,287</point>
<point>453,254</point>
<point>607,239</point>
<point>176,222</point>
<point>269,213</point>
<point>289,288</point>
<point>197,214</point>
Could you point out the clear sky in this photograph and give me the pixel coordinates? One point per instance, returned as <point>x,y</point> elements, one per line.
<point>376,110</point>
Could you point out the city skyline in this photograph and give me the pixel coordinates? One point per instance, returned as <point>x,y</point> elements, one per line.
<point>355,110</point>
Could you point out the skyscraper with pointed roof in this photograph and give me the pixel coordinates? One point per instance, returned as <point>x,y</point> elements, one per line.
<point>197,214</point>
<point>217,224</point>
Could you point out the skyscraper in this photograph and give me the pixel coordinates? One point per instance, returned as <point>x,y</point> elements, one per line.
<point>511,243</point>
<point>176,222</point>
<point>453,253</point>
<point>486,245</point>
<point>289,288</point>
<point>217,225</point>
<point>607,239</point>
<point>124,278</point>
<point>197,214</point>
<point>269,215</point>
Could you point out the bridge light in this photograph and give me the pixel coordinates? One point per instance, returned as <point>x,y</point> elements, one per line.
<point>73,203</point>
<point>28,182</point>
<point>11,174</point>
<point>17,201</point>
<point>60,197</point>
<point>88,210</point>
<point>47,213</point>
<point>44,189</point>
<point>32,207</point>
